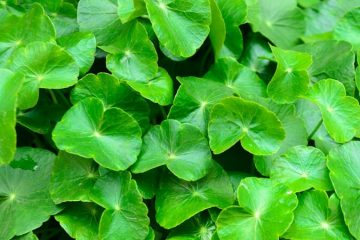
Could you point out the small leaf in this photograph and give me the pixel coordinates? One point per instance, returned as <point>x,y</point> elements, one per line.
<point>110,136</point>
<point>179,146</point>
<point>265,211</point>
<point>235,119</point>
<point>301,168</point>
<point>343,163</point>
<point>181,25</point>
<point>341,113</point>
<point>125,214</point>
<point>178,200</point>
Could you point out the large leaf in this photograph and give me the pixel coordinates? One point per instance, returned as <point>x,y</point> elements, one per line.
<point>301,168</point>
<point>280,21</point>
<point>128,10</point>
<point>348,28</point>
<point>343,163</point>
<point>180,25</point>
<point>265,211</point>
<point>341,113</point>
<point>235,119</point>
<point>109,135</point>
<point>44,65</point>
<point>125,214</point>
<point>179,146</point>
<point>113,93</point>
<point>291,79</point>
<point>19,31</point>
<point>25,201</point>
<point>80,220</point>
<point>72,178</point>
<point>178,200</point>
<point>318,216</point>
<point>10,85</point>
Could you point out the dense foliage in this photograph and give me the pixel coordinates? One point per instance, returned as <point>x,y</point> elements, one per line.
<point>179,119</point>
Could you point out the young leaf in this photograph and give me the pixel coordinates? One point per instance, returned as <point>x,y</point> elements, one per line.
<point>80,220</point>
<point>291,79</point>
<point>301,168</point>
<point>341,113</point>
<point>125,214</point>
<point>318,216</point>
<point>10,85</point>
<point>44,65</point>
<point>235,119</point>
<point>72,178</point>
<point>25,201</point>
<point>110,136</point>
<point>178,200</point>
<point>265,211</point>
<point>181,25</point>
<point>179,146</point>
<point>343,163</point>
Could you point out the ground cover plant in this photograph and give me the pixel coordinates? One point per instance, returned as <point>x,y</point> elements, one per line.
<point>179,119</point>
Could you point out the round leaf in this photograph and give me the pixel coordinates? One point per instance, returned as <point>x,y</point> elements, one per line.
<point>301,168</point>
<point>235,119</point>
<point>181,147</point>
<point>110,136</point>
<point>180,25</point>
<point>265,212</point>
<point>343,163</point>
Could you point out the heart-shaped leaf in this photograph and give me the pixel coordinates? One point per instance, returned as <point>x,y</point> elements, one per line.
<point>291,79</point>
<point>341,113</point>
<point>301,168</point>
<point>10,85</point>
<point>179,146</point>
<point>235,119</point>
<point>125,213</point>
<point>265,211</point>
<point>178,200</point>
<point>343,163</point>
<point>44,65</point>
<point>25,201</point>
<point>318,216</point>
<point>110,136</point>
<point>72,178</point>
<point>180,25</point>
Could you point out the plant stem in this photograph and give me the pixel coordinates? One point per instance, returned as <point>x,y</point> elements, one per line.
<point>315,129</point>
<point>53,97</point>
<point>163,112</point>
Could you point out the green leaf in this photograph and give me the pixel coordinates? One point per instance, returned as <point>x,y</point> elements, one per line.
<point>101,18</point>
<point>128,10</point>
<point>109,135</point>
<point>10,85</point>
<point>125,214</point>
<point>280,21</point>
<point>242,80</point>
<point>178,200</point>
<point>64,18</point>
<point>291,79</point>
<point>44,65</point>
<point>301,168</point>
<point>180,146</point>
<point>337,63</point>
<point>113,93</point>
<point>28,236</point>
<point>235,119</point>
<point>80,220</point>
<point>148,182</point>
<point>217,29</point>
<point>158,89</point>
<point>343,163</point>
<point>347,28</point>
<point>81,46</point>
<point>25,201</point>
<point>265,211</point>
<point>180,25</point>
<point>17,32</point>
<point>194,100</point>
<point>72,178</point>
<point>318,216</point>
<point>132,55</point>
<point>341,113</point>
